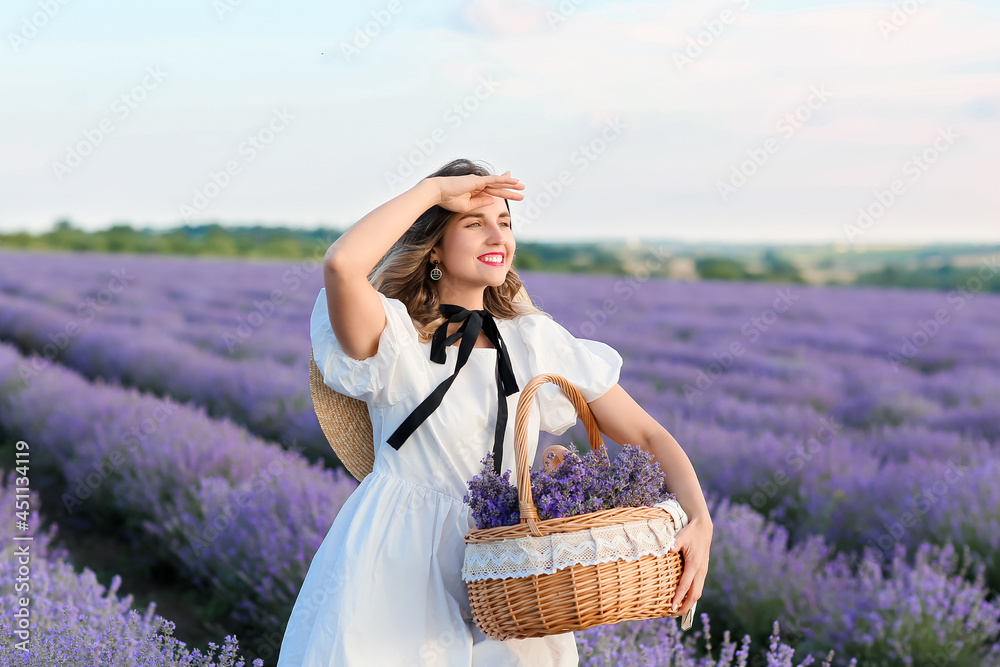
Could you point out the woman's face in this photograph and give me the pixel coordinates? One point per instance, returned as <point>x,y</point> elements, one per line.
<point>472,238</point>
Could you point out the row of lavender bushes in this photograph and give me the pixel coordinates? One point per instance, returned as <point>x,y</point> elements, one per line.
<point>268,398</point>
<point>892,372</point>
<point>234,309</point>
<point>212,303</point>
<point>930,612</point>
<point>74,621</point>
<point>856,498</point>
<point>825,360</point>
<point>673,333</point>
<point>239,516</point>
<point>77,622</point>
<point>827,357</point>
<point>655,643</point>
<point>835,413</point>
<point>181,477</point>
<point>862,356</point>
<point>899,452</point>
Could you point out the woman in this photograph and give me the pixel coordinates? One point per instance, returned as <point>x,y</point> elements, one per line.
<point>419,318</point>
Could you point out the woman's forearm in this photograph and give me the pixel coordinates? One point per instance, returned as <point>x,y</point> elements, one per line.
<point>360,248</point>
<point>679,473</point>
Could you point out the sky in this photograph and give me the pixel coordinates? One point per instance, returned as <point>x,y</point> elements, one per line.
<point>774,121</point>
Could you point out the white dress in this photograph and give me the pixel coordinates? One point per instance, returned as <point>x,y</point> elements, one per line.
<point>385,586</point>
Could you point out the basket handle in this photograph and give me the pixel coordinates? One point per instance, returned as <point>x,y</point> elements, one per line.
<point>526,504</point>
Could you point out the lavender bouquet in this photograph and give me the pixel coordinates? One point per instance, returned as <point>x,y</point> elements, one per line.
<point>576,485</point>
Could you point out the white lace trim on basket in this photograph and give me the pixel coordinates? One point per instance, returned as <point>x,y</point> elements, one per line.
<point>525,556</point>
<point>530,555</point>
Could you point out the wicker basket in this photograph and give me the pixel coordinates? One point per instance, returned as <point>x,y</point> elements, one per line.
<point>578,596</point>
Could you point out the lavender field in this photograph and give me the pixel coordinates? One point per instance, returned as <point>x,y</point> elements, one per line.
<point>848,441</point>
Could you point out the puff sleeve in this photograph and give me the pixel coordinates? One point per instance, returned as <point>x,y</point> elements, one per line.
<point>594,367</point>
<point>380,380</point>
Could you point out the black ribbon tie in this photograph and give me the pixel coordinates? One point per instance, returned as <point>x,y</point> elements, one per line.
<point>473,321</point>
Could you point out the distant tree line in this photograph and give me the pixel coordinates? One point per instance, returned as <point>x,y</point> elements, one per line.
<point>776,269</point>
<point>212,240</point>
<point>285,243</point>
<point>947,277</point>
<point>276,242</point>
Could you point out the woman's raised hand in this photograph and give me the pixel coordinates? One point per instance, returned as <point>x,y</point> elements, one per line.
<point>464,193</point>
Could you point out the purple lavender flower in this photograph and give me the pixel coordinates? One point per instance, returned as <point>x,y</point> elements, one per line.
<point>492,499</point>
<point>579,485</point>
<point>77,621</point>
<point>636,479</point>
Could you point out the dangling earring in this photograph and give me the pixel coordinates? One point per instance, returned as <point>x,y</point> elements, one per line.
<point>435,272</point>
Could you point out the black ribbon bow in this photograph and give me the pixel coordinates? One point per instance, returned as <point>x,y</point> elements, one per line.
<point>473,321</point>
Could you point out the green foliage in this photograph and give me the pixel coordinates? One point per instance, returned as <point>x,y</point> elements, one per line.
<point>776,269</point>
<point>720,268</point>
<point>945,277</point>
<point>779,269</point>
<point>771,265</point>
<point>209,240</point>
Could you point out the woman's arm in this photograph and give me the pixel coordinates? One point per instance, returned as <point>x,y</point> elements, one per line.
<point>356,314</point>
<point>624,421</point>
<point>359,249</point>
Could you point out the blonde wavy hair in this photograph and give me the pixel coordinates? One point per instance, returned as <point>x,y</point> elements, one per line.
<point>404,271</point>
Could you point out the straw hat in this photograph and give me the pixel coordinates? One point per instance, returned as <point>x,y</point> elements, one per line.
<point>345,420</point>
